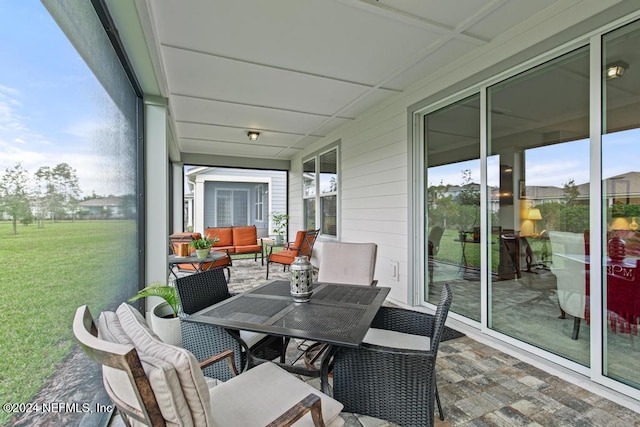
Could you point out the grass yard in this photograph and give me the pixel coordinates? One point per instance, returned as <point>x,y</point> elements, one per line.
<point>46,274</point>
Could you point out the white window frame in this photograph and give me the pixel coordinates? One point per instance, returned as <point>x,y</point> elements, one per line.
<point>317,196</point>
<point>259,203</point>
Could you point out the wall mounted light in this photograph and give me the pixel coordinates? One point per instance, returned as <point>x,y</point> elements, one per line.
<point>616,69</point>
<point>253,135</point>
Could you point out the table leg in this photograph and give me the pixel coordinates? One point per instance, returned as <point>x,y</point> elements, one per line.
<point>325,368</point>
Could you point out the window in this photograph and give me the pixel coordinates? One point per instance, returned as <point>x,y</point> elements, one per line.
<point>320,188</point>
<point>232,208</point>
<point>259,205</point>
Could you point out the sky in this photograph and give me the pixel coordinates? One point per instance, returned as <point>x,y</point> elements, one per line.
<point>552,165</point>
<point>49,99</point>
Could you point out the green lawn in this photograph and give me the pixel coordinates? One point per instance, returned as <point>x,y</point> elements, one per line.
<point>451,250</point>
<point>46,274</point>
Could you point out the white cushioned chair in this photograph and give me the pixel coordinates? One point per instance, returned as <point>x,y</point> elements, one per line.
<point>351,263</point>
<point>569,267</point>
<point>154,383</point>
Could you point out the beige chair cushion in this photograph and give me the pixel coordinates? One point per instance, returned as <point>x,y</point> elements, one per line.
<point>262,394</point>
<point>251,338</point>
<point>162,377</point>
<point>394,339</point>
<point>351,263</point>
<point>191,380</point>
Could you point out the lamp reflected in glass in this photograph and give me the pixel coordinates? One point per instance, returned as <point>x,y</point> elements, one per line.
<point>620,224</point>
<point>616,247</point>
<point>533,214</point>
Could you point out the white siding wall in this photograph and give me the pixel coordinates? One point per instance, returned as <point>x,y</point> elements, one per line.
<point>277,191</point>
<point>374,159</point>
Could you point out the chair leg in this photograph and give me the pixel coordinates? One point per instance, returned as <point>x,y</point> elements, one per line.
<point>576,328</point>
<point>440,411</point>
<point>268,269</point>
<point>285,344</point>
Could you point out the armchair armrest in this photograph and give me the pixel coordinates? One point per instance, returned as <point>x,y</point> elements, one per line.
<point>311,403</point>
<point>227,354</point>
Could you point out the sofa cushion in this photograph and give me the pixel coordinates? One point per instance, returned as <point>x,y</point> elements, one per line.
<point>245,236</point>
<point>285,256</point>
<point>249,249</point>
<point>225,234</point>
<point>269,391</point>
<point>229,249</point>
<point>162,376</point>
<point>191,379</point>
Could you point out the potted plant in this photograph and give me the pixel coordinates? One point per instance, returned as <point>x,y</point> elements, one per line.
<point>279,225</point>
<point>203,246</point>
<point>164,316</point>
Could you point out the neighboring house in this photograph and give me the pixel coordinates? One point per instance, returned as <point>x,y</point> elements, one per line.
<point>624,188</point>
<point>107,207</point>
<point>221,197</point>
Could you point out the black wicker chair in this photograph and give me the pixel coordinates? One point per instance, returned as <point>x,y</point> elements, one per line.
<point>201,290</point>
<point>395,384</point>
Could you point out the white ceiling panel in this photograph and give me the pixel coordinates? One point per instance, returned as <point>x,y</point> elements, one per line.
<point>295,70</point>
<point>322,37</point>
<point>196,110</point>
<point>438,59</point>
<point>218,78</point>
<point>227,134</point>
<point>510,13</point>
<point>456,12</point>
<point>231,149</point>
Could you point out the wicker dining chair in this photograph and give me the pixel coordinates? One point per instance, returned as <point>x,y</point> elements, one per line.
<point>392,375</point>
<point>201,290</point>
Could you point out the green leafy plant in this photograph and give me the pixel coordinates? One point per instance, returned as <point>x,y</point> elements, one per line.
<point>279,222</point>
<point>204,243</point>
<point>157,289</point>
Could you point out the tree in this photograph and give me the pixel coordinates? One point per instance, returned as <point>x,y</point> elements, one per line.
<point>439,204</point>
<point>570,192</point>
<point>15,195</point>
<point>57,191</point>
<point>469,193</point>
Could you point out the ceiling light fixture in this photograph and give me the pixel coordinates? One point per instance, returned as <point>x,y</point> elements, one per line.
<point>616,69</point>
<point>253,135</point>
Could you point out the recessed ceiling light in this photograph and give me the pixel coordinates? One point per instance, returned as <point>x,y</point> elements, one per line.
<point>253,135</point>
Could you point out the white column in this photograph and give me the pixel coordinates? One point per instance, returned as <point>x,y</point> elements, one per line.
<point>178,197</point>
<point>157,192</point>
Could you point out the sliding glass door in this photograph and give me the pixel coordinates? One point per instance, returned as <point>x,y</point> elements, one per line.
<point>621,204</point>
<point>559,188</point>
<point>538,178</point>
<point>452,140</point>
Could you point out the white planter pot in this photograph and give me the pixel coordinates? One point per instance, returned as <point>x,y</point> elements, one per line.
<point>168,329</point>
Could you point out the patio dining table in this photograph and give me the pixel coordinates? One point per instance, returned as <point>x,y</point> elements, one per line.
<point>337,314</point>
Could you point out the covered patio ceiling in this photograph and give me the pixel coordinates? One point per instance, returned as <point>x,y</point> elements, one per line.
<point>296,70</point>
